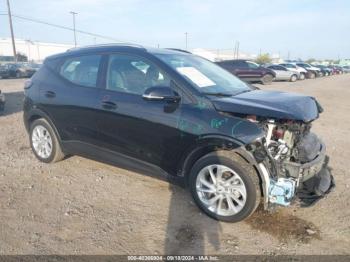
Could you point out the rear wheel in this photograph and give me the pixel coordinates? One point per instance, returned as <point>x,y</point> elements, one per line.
<point>224,186</point>
<point>267,79</point>
<point>18,74</point>
<point>312,75</point>
<point>293,78</point>
<point>44,142</point>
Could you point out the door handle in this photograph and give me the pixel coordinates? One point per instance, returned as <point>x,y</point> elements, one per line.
<point>50,94</point>
<point>109,105</point>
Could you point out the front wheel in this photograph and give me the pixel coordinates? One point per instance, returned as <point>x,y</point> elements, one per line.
<point>302,76</point>
<point>224,186</point>
<point>312,75</point>
<point>44,142</point>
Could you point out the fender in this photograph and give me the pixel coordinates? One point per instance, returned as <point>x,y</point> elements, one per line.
<point>36,113</point>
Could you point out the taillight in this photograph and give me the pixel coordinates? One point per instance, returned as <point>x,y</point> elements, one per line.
<point>28,83</point>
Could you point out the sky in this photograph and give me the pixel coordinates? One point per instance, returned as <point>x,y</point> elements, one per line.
<point>303,28</point>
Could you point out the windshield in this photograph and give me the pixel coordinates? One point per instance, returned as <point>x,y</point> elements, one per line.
<point>206,76</point>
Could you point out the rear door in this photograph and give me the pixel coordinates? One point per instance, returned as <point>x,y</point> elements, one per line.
<point>282,72</point>
<point>71,97</point>
<point>128,124</point>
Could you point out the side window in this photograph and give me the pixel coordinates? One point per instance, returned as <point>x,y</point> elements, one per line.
<point>252,65</point>
<point>133,75</point>
<point>81,70</point>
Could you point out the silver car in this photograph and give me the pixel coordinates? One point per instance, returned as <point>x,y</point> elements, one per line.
<point>284,74</point>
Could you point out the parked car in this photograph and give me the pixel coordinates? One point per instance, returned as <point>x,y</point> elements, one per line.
<point>233,145</point>
<point>4,72</point>
<point>312,71</point>
<point>346,69</point>
<point>282,73</point>
<point>292,67</point>
<point>248,71</point>
<point>2,102</point>
<point>34,66</point>
<point>337,70</point>
<point>326,71</point>
<point>19,70</point>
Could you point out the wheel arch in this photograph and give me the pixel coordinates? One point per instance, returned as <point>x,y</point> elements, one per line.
<point>218,143</point>
<point>37,114</point>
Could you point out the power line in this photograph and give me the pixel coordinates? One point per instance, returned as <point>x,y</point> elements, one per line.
<point>64,27</point>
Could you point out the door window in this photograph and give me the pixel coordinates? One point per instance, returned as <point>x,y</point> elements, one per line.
<point>81,70</point>
<point>252,65</point>
<point>133,75</point>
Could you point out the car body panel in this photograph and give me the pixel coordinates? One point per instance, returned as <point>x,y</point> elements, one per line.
<point>272,104</point>
<point>283,73</point>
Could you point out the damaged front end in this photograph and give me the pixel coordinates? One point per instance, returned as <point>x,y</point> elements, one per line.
<point>291,160</point>
<point>294,163</point>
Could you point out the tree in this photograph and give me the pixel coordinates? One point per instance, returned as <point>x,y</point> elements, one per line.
<point>263,59</point>
<point>310,60</point>
<point>22,57</point>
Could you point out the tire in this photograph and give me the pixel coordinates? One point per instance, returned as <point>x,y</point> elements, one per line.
<point>312,75</point>
<point>267,79</point>
<point>246,181</point>
<point>54,154</point>
<point>302,76</point>
<point>293,78</point>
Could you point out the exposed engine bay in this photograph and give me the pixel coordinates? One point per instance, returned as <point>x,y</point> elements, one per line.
<point>296,160</point>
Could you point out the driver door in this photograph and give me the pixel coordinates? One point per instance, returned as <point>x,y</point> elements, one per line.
<point>129,124</point>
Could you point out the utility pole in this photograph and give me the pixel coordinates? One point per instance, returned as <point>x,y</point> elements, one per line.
<point>11,29</point>
<point>75,37</point>
<point>237,49</point>
<point>186,39</point>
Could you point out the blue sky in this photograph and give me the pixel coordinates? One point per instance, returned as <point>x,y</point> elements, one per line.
<point>305,28</point>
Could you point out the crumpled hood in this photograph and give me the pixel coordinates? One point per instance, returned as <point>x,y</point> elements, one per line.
<point>271,104</point>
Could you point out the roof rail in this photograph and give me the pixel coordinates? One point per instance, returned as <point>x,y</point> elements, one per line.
<point>180,50</point>
<point>106,45</point>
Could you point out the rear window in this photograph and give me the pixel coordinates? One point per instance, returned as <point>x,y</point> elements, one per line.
<point>81,70</point>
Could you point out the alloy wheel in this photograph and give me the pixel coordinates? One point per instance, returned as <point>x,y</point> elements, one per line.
<point>221,190</point>
<point>42,141</point>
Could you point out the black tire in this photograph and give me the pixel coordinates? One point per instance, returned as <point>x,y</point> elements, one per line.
<point>293,78</point>
<point>267,79</point>
<point>302,76</point>
<point>311,75</point>
<point>18,75</point>
<point>246,172</point>
<point>56,152</point>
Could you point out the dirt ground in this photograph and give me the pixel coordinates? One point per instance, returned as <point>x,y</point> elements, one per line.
<point>79,206</point>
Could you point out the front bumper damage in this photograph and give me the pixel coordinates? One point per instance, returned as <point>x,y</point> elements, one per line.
<point>316,187</point>
<point>305,184</point>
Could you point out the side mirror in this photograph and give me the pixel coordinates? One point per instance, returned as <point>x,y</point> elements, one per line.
<point>161,93</point>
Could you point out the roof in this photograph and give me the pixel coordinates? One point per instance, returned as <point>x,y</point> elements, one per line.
<point>116,48</point>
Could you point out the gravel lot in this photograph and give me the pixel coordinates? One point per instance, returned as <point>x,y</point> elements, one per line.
<point>79,206</point>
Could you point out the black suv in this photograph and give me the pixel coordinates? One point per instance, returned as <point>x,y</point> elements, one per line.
<point>248,71</point>
<point>233,145</point>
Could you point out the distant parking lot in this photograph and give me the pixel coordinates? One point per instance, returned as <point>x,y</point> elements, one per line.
<point>79,206</point>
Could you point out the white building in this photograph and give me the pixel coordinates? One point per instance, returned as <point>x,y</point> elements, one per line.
<point>221,54</point>
<point>35,51</point>
<point>226,54</point>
